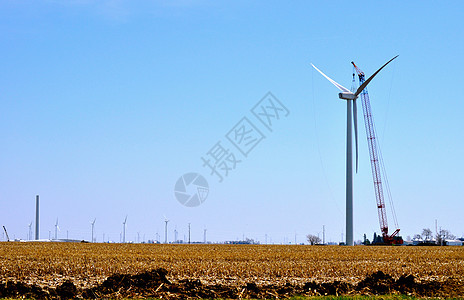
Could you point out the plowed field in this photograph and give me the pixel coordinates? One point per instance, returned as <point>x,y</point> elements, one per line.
<point>61,270</point>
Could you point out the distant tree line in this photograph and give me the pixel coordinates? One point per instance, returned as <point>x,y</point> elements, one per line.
<point>313,239</point>
<point>426,236</point>
<point>440,237</point>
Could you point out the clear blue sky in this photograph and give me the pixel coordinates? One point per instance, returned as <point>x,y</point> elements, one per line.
<point>105,104</point>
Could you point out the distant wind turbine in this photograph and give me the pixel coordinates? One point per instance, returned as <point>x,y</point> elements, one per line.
<point>56,229</point>
<point>93,224</point>
<point>29,237</point>
<point>351,97</point>
<point>166,230</point>
<point>124,230</point>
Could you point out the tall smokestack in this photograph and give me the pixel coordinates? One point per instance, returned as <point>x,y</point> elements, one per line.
<point>37,217</point>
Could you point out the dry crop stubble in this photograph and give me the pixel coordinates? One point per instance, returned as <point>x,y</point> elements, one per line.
<point>89,264</point>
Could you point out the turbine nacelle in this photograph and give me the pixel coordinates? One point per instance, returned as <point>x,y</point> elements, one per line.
<point>347,96</point>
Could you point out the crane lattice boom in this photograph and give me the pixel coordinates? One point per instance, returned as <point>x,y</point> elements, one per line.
<point>376,165</point>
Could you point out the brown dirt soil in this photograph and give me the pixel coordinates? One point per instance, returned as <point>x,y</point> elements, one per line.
<point>91,270</point>
<point>155,284</point>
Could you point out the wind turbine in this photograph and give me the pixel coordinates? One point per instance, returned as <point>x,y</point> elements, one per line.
<point>93,224</point>
<point>349,96</point>
<point>30,231</point>
<point>166,230</point>
<point>124,230</point>
<point>56,229</point>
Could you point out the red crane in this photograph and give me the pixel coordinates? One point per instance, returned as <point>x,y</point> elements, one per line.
<point>378,168</point>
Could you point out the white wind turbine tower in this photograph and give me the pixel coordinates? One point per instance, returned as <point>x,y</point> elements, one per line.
<point>124,230</point>
<point>56,229</point>
<point>29,237</point>
<point>93,224</point>
<point>166,230</point>
<point>351,97</point>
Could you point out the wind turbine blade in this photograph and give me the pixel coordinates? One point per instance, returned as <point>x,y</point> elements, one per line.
<point>355,121</point>
<point>339,86</point>
<point>361,88</point>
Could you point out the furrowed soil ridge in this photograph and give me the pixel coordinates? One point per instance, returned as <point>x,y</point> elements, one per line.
<point>155,284</point>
